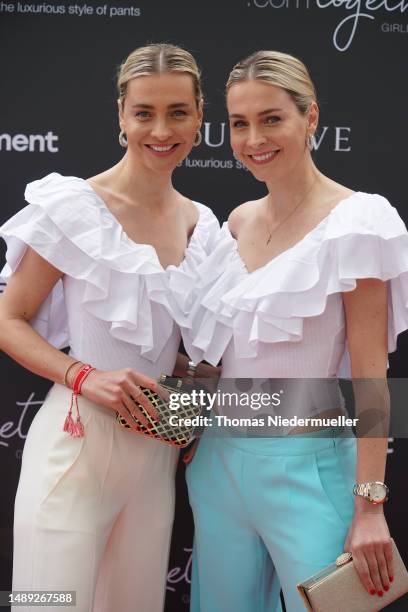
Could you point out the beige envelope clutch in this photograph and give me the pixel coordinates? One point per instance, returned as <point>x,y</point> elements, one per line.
<point>337,588</point>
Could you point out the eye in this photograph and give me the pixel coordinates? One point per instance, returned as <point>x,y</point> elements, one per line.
<point>272,119</point>
<point>179,113</point>
<point>238,123</point>
<point>142,114</point>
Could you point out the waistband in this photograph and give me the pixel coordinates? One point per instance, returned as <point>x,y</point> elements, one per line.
<point>298,444</point>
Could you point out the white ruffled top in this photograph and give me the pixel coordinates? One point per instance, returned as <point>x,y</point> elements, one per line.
<point>116,306</point>
<point>286,319</point>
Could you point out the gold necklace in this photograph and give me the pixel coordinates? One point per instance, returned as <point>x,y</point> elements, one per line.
<point>271,232</point>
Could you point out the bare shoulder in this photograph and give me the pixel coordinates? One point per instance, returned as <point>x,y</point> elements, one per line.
<point>100,181</point>
<point>192,214</point>
<point>105,185</point>
<point>241,214</point>
<point>335,193</point>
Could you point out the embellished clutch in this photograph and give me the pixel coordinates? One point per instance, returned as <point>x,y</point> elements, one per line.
<point>337,587</point>
<point>175,426</point>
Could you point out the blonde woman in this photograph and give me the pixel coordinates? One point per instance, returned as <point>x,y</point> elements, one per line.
<point>117,255</point>
<point>301,279</point>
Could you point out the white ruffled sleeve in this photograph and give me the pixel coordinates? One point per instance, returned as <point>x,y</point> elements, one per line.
<point>185,278</point>
<point>371,241</point>
<point>32,227</point>
<point>210,325</point>
<point>362,237</point>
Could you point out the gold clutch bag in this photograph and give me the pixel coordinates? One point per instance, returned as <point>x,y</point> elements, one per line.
<point>179,433</point>
<point>337,588</point>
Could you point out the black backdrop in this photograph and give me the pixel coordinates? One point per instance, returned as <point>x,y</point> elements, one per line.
<point>58,112</point>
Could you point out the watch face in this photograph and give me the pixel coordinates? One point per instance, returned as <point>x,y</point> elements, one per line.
<point>377,492</point>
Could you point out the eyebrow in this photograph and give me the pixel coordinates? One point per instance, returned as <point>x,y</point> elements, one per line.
<point>150,107</point>
<point>265,112</point>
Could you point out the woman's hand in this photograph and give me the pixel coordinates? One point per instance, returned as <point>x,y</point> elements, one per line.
<point>120,390</point>
<point>369,542</point>
<point>205,370</point>
<point>189,454</point>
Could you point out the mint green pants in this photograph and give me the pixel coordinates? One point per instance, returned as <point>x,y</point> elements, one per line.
<point>268,514</point>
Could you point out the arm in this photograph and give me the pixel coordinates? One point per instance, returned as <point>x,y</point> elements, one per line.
<point>204,370</point>
<point>27,289</point>
<point>368,538</point>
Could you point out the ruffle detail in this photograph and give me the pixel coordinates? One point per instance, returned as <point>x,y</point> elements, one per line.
<point>125,284</point>
<point>362,237</point>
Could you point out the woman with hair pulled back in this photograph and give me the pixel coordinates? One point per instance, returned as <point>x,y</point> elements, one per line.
<point>106,266</point>
<point>308,282</point>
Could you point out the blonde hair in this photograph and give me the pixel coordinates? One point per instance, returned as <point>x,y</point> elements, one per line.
<point>280,69</point>
<point>159,58</point>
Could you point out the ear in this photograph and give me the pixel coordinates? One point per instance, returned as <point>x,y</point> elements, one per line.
<point>313,118</point>
<point>120,113</point>
<point>200,112</point>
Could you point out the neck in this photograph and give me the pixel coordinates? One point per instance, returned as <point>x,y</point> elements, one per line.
<point>142,186</point>
<point>285,195</point>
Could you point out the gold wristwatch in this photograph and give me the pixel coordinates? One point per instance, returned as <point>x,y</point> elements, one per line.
<point>375,492</point>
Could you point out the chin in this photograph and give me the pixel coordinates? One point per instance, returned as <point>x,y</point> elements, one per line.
<point>163,163</point>
<point>261,174</point>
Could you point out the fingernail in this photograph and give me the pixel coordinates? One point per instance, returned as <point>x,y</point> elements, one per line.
<point>372,592</point>
<point>386,588</point>
<point>391,578</point>
<point>379,593</point>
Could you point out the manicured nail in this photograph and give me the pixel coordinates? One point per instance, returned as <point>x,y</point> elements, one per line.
<point>379,593</point>
<point>386,588</point>
<point>372,592</point>
<point>391,578</point>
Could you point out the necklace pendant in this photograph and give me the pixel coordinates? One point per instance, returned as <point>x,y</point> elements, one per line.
<point>269,239</point>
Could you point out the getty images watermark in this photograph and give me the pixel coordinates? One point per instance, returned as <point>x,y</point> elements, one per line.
<point>237,401</point>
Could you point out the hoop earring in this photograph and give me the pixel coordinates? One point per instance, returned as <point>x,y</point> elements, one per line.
<point>122,139</point>
<point>198,139</point>
<point>309,142</point>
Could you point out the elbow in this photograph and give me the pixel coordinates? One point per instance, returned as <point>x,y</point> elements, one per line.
<point>5,329</point>
<point>8,327</point>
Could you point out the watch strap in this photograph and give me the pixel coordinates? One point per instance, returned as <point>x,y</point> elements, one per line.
<point>361,489</point>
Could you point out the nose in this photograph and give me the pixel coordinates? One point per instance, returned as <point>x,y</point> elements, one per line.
<point>256,138</point>
<point>161,130</point>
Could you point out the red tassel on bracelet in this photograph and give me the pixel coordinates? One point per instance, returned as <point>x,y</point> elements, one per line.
<point>76,428</point>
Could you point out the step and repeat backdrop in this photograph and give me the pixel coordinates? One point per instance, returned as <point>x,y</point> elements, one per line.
<point>58,112</point>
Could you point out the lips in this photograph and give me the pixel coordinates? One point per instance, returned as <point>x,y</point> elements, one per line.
<point>162,150</point>
<point>265,157</point>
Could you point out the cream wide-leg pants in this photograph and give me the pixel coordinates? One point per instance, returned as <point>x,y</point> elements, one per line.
<point>93,514</point>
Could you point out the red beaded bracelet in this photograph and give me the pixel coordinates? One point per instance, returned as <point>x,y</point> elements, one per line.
<point>76,428</point>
